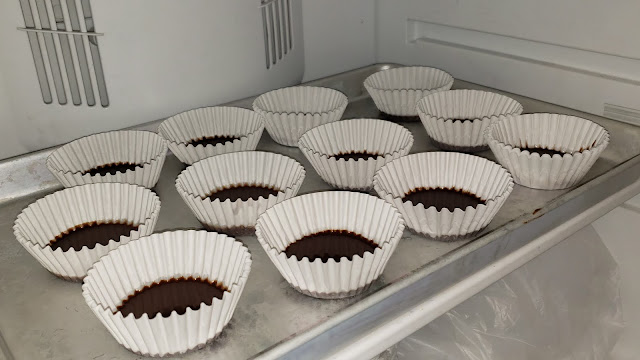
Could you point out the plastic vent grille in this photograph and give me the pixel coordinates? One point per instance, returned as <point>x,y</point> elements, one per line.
<point>65,51</point>
<point>277,28</point>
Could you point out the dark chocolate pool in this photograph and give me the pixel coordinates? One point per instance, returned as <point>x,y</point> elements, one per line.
<point>112,169</point>
<point>543,151</point>
<point>443,198</point>
<point>90,234</point>
<point>330,244</point>
<point>356,155</point>
<point>398,118</point>
<point>166,296</point>
<point>243,192</point>
<point>213,140</point>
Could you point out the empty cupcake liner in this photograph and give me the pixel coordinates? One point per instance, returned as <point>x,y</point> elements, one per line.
<point>196,254</point>
<point>40,223</point>
<point>388,140</point>
<point>276,171</point>
<point>70,163</point>
<point>397,91</point>
<point>290,112</point>
<point>304,215</point>
<point>457,119</point>
<point>582,140</point>
<point>197,124</point>
<point>432,170</point>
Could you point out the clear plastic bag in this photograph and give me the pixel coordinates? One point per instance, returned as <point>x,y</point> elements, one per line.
<point>565,304</point>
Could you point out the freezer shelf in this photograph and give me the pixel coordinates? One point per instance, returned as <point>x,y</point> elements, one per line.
<point>44,317</point>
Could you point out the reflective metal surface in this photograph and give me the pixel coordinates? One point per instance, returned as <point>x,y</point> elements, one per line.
<point>44,317</point>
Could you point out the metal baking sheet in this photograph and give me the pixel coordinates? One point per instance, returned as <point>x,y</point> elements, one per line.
<point>42,316</point>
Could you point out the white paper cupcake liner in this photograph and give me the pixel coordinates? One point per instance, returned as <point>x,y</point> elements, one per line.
<point>197,254</point>
<point>397,91</point>
<point>388,140</point>
<point>196,124</point>
<point>581,139</point>
<point>484,178</point>
<point>304,215</point>
<point>70,162</point>
<point>442,115</point>
<point>40,223</point>
<point>241,168</point>
<point>290,112</point>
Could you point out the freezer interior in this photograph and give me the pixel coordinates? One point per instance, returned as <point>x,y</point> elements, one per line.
<point>72,68</point>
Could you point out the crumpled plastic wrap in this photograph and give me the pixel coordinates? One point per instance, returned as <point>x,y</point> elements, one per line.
<point>565,305</point>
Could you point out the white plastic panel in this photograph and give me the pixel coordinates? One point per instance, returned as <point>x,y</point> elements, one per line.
<point>9,140</point>
<point>339,36</point>
<point>570,53</point>
<point>160,57</point>
<point>599,26</point>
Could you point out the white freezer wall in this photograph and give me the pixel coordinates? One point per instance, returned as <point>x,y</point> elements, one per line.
<point>339,35</point>
<point>581,54</point>
<point>7,121</point>
<point>9,141</point>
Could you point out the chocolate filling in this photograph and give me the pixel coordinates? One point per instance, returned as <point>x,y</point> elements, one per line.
<point>330,244</point>
<point>463,120</point>
<point>213,140</point>
<point>243,192</point>
<point>112,169</point>
<point>443,198</point>
<point>543,151</point>
<point>398,118</point>
<point>165,296</point>
<point>90,234</point>
<point>355,155</point>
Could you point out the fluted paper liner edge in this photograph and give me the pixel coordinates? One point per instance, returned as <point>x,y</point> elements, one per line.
<point>68,162</point>
<point>254,168</point>
<point>401,100</point>
<point>307,214</point>
<point>390,141</point>
<point>474,174</point>
<point>48,217</point>
<point>290,112</point>
<point>178,130</point>
<point>559,132</point>
<point>442,114</point>
<point>199,254</point>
